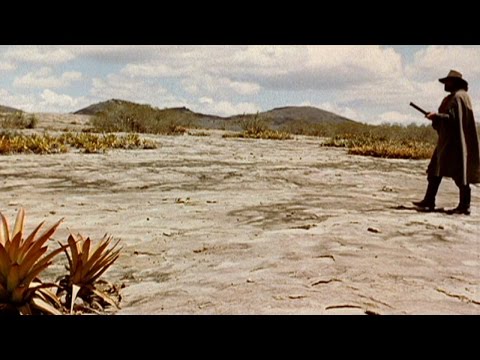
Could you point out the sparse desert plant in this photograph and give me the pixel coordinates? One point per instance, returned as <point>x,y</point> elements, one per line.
<point>199,134</point>
<point>32,122</point>
<point>137,118</point>
<point>21,262</point>
<point>302,127</point>
<point>254,125</point>
<point>394,150</point>
<point>265,135</point>
<point>11,143</point>
<point>387,141</point>
<point>85,266</point>
<point>257,127</point>
<point>18,120</point>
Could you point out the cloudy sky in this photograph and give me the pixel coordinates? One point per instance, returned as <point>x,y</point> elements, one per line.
<point>371,84</point>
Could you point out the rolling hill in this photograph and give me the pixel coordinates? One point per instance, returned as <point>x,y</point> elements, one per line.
<point>278,118</point>
<point>286,116</point>
<point>102,106</point>
<point>7,109</point>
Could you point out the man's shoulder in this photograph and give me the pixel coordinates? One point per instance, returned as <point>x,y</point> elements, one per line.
<point>461,94</point>
<point>461,97</point>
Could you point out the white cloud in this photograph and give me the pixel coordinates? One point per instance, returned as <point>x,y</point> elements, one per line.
<point>345,111</point>
<point>119,53</point>
<point>436,61</point>
<point>390,95</point>
<point>154,70</point>
<point>205,100</point>
<point>18,101</point>
<point>335,108</point>
<point>317,67</point>
<point>146,91</point>
<point>7,66</point>
<point>268,60</point>
<point>51,101</point>
<point>274,66</point>
<point>151,55</point>
<point>400,118</point>
<point>44,78</point>
<point>365,83</point>
<point>355,73</point>
<point>46,101</point>
<point>224,108</point>
<point>208,84</point>
<point>243,87</point>
<point>39,54</point>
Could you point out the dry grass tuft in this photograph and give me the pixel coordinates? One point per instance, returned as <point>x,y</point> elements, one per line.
<point>18,120</point>
<point>14,143</point>
<point>258,128</point>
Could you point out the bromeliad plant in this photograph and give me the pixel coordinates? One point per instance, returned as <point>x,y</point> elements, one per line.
<point>85,266</point>
<point>21,262</point>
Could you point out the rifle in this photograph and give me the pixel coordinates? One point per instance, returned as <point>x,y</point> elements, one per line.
<point>419,108</point>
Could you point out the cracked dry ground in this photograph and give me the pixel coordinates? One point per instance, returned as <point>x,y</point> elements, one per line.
<point>235,226</point>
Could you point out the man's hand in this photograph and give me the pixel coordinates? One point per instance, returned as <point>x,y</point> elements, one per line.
<point>431,115</point>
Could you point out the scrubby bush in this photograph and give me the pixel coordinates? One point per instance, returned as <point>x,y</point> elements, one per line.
<point>12,143</point>
<point>129,117</point>
<point>257,127</point>
<point>18,120</point>
<point>386,140</point>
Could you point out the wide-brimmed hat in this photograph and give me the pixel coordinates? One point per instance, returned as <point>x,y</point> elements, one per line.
<point>455,75</point>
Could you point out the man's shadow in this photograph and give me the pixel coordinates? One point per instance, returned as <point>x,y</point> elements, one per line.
<point>417,209</point>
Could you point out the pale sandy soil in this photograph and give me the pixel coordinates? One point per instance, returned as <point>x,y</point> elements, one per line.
<point>62,122</point>
<point>234,226</point>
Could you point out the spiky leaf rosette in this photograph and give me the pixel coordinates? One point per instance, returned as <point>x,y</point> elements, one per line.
<point>85,266</point>
<point>21,263</point>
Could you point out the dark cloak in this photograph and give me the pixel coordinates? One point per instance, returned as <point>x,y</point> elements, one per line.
<point>457,152</point>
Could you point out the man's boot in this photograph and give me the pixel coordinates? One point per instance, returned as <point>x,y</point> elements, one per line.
<point>463,207</point>
<point>428,202</point>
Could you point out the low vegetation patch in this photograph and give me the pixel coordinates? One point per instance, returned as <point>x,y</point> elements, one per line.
<point>14,143</point>
<point>258,128</point>
<point>129,117</point>
<point>199,134</point>
<point>18,120</point>
<point>386,141</point>
<point>394,150</point>
<point>265,135</point>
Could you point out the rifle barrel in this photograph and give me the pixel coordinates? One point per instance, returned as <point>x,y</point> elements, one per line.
<point>418,108</point>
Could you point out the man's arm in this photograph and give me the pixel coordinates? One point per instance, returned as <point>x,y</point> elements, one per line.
<point>436,116</point>
<point>449,115</point>
<point>435,119</point>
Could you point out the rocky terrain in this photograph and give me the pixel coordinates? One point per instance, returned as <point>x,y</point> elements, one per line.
<point>236,226</point>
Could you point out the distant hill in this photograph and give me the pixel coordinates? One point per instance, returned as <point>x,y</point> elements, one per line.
<point>278,118</point>
<point>102,106</point>
<point>306,113</point>
<point>7,109</point>
<point>116,103</point>
<point>286,116</point>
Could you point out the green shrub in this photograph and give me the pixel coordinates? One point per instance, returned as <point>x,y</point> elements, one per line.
<point>18,120</point>
<point>389,141</point>
<point>257,127</point>
<point>128,117</point>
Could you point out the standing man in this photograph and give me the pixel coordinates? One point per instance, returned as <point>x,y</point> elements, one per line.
<point>457,153</point>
